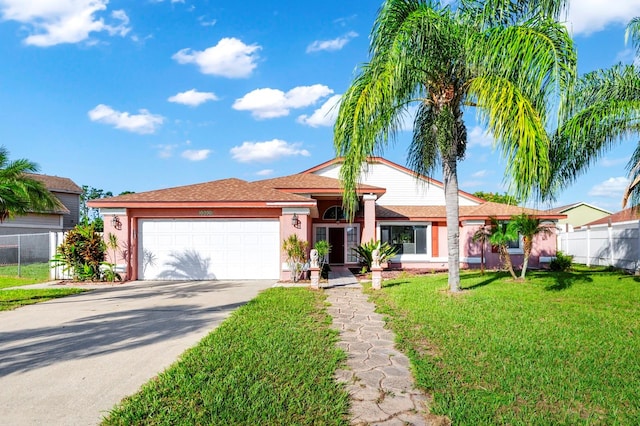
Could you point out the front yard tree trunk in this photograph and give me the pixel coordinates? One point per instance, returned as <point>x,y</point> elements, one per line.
<point>450,175</point>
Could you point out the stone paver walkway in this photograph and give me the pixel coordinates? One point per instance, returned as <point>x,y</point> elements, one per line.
<point>378,378</point>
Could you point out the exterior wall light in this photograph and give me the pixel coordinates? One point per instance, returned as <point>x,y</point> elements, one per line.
<point>295,222</point>
<point>115,222</point>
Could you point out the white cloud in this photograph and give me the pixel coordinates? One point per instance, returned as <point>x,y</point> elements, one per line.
<point>207,22</point>
<point>265,172</point>
<point>196,154</point>
<point>331,45</point>
<point>193,97</point>
<point>479,137</point>
<point>610,188</point>
<point>142,123</point>
<point>590,16</point>
<point>325,115</point>
<point>480,174</point>
<point>166,151</point>
<point>229,58</point>
<point>266,151</point>
<point>52,22</point>
<point>271,103</point>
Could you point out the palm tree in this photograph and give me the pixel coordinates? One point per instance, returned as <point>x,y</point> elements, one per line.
<point>606,110</point>
<point>509,59</point>
<point>528,227</point>
<point>482,236</point>
<point>20,193</point>
<point>501,235</point>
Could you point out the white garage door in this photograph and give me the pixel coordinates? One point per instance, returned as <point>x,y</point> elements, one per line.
<point>208,249</point>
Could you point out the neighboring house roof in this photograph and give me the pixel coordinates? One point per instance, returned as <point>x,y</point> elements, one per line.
<point>225,191</point>
<point>57,184</point>
<point>373,160</point>
<point>482,211</point>
<point>627,215</point>
<point>565,208</point>
<point>317,184</point>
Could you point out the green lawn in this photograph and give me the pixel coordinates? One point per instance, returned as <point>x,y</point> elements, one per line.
<point>272,362</point>
<point>29,274</point>
<point>561,348</point>
<point>11,299</point>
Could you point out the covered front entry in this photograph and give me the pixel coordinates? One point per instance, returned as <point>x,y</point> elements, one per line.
<point>199,249</point>
<point>343,238</point>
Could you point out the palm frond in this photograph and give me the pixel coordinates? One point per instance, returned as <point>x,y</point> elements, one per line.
<point>632,192</point>
<point>633,34</point>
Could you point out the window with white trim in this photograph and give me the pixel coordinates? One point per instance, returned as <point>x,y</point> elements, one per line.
<point>407,239</point>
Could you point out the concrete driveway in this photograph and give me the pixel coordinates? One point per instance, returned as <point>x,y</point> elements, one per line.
<point>69,361</point>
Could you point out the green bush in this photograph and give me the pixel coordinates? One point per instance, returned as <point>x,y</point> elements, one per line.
<point>82,253</point>
<point>562,262</point>
<point>365,252</point>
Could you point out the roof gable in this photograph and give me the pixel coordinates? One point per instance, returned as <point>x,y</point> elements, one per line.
<point>403,186</point>
<point>568,207</point>
<point>307,182</point>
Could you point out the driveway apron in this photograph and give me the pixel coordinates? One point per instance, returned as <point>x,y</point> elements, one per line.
<point>70,360</point>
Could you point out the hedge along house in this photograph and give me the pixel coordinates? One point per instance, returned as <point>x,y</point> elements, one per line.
<point>233,229</point>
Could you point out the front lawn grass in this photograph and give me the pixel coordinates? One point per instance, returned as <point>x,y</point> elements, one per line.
<point>29,274</point>
<point>560,348</point>
<point>11,299</point>
<point>272,362</point>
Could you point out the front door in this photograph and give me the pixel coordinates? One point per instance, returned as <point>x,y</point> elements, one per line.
<point>336,239</point>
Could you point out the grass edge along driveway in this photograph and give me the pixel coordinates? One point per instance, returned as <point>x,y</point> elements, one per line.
<point>560,348</point>
<point>271,362</point>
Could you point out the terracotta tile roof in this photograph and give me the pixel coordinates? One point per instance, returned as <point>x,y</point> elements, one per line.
<point>57,184</point>
<point>482,211</point>
<point>225,190</point>
<point>626,215</point>
<point>303,183</point>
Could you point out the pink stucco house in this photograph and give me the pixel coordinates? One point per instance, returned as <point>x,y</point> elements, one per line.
<point>233,229</point>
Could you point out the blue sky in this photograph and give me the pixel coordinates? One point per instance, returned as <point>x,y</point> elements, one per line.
<point>123,95</point>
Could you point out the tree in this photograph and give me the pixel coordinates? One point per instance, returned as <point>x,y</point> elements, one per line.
<point>605,110</point>
<point>511,60</point>
<point>90,214</point>
<point>482,236</point>
<point>19,192</point>
<point>497,198</point>
<point>528,227</point>
<point>501,235</point>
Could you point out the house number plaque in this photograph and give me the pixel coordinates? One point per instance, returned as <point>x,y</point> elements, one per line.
<point>205,213</point>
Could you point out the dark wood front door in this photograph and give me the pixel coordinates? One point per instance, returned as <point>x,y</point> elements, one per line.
<point>336,239</point>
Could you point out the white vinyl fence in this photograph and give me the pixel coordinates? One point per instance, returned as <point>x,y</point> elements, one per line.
<point>616,245</point>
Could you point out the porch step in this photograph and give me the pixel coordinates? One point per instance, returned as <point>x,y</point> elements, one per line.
<point>341,276</point>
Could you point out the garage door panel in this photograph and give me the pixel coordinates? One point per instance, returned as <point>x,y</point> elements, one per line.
<point>209,249</point>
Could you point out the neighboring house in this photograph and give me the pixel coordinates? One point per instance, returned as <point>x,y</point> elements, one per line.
<point>62,219</point>
<point>578,214</point>
<point>613,240</point>
<point>233,229</point>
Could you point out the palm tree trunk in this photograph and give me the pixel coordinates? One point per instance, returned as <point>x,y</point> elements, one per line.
<point>507,260</point>
<point>450,177</point>
<point>528,245</point>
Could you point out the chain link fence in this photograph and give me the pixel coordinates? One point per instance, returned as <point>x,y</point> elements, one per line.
<point>24,249</point>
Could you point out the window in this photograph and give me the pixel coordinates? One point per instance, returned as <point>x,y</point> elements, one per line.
<point>408,239</point>
<point>334,213</point>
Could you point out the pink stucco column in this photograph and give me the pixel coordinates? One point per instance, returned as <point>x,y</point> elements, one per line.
<point>369,226</point>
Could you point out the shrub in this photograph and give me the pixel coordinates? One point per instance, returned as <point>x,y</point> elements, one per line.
<point>82,253</point>
<point>296,251</point>
<point>323,247</point>
<point>562,262</point>
<point>365,252</point>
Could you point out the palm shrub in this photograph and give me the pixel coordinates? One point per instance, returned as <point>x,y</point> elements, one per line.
<point>562,262</point>
<point>296,251</point>
<point>501,235</point>
<point>323,247</point>
<point>365,252</point>
<point>82,253</point>
<point>528,226</point>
